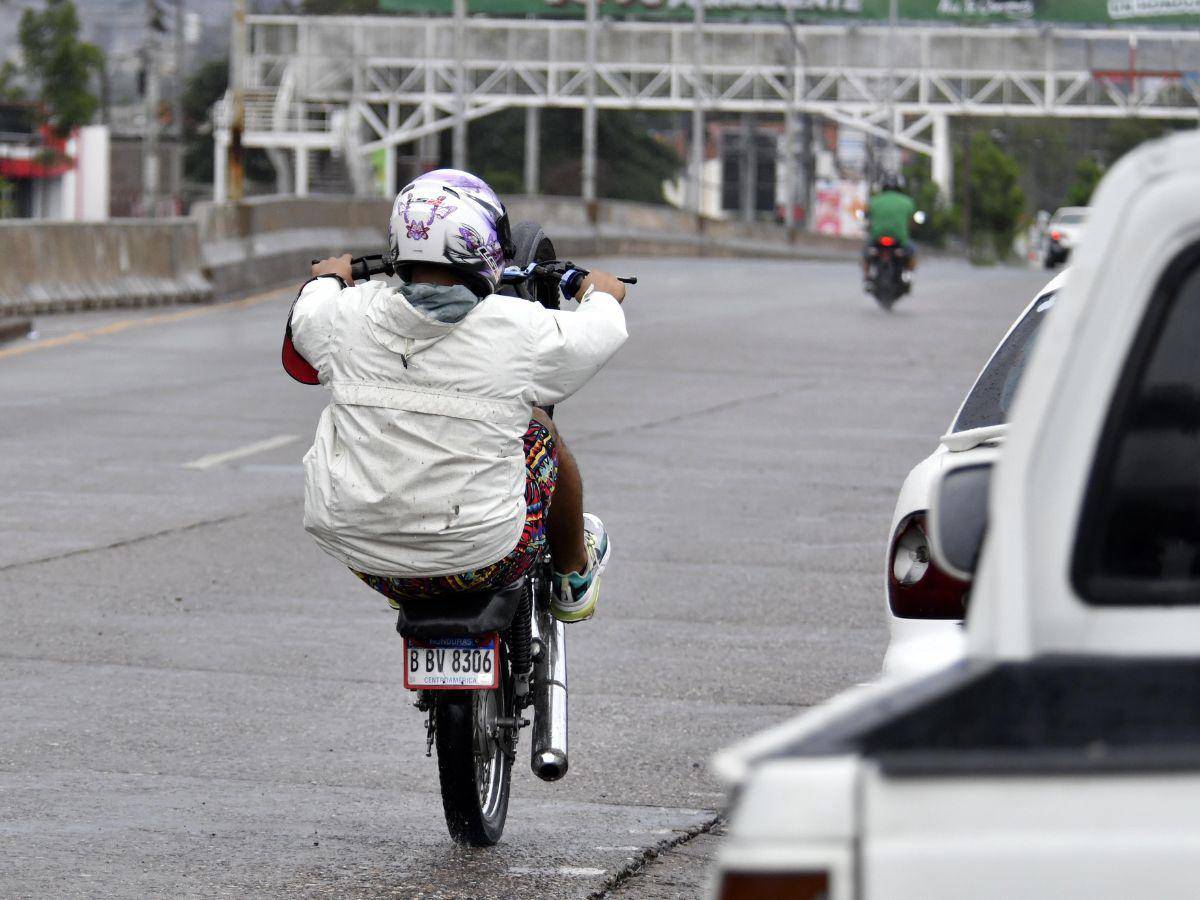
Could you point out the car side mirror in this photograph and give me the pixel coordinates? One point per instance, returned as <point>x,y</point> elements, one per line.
<point>958,515</point>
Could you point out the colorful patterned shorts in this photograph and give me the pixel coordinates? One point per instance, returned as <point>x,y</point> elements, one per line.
<point>541,473</point>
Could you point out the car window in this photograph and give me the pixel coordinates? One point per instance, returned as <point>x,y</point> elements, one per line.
<point>991,397</point>
<point>1072,219</point>
<point>1140,541</point>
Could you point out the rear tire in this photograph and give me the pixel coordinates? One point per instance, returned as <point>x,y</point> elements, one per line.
<point>474,767</point>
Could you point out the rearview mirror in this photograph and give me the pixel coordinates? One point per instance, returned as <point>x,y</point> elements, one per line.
<point>958,517</point>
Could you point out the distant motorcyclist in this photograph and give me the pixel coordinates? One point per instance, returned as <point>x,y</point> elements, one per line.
<point>888,214</point>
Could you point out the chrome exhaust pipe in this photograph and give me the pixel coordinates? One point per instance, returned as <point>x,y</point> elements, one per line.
<point>548,756</point>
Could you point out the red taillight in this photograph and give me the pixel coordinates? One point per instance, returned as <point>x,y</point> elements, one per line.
<point>917,588</point>
<point>774,886</point>
<point>1056,235</point>
<point>887,241</point>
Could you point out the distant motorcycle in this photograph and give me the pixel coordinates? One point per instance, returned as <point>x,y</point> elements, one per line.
<point>888,276</point>
<point>478,661</point>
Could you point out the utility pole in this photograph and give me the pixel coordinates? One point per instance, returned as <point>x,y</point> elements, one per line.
<point>696,186</point>
<point>458,137</point>
<point>893,20</point>
<point>177,107</point>
<point>150,70</point>
<point>237,122</point>
<point>589,115</point>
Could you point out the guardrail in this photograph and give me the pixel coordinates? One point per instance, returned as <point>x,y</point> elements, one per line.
<point>225,250</point>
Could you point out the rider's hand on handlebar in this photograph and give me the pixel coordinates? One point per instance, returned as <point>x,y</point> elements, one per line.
<point>335,265</point>
<point>602,281</point>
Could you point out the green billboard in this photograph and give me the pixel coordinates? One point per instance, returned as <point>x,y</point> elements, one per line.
<point>1075,12</point>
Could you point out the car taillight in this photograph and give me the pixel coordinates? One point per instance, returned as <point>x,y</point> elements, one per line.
<point>774,886</point>
<point>917,588</point>
<point>887,241</point>
<point>1056,235</point>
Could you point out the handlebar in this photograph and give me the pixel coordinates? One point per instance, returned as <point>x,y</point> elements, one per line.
<point>563,273</point>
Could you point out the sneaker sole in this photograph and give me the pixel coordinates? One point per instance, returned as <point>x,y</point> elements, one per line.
<point>586,609</point>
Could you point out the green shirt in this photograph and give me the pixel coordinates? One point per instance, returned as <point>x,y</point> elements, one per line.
<point>889,214</point>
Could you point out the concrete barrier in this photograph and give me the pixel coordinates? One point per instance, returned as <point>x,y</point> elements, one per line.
<point>268,241</point>
<point>644,229</point>
<point>60,266</point>
<point>227,250</point>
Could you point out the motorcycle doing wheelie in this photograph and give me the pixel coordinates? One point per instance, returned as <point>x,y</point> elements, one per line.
<point>479,662</point>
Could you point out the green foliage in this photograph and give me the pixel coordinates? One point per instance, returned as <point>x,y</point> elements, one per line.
<point>206,86</point>
<point>1087,175</point>
<point>60,64</point>
<point>339,7</point>
<point>10,90</point>
<point>990,196</point>
<point>1122,135</point>
<point>631,164</point>
<point>940,219</point>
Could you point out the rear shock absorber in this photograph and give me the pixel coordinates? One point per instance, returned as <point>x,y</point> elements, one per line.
<point>520,641</point>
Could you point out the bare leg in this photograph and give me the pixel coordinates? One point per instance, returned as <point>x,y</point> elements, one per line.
<point>564,525</point>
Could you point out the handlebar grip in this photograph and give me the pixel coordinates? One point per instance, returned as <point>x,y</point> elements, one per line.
<point>360,269</point>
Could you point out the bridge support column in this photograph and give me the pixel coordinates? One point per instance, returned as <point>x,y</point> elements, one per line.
<point>943,157</point>
<point>389,154</point>
<point>458,137</point>
<point>220,166</point>
<point>589,116</point>
<point>301,171</point>
<point>533,146</point>
<point>749,167</point>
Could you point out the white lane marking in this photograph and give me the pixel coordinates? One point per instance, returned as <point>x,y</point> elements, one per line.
<point>216,459</point>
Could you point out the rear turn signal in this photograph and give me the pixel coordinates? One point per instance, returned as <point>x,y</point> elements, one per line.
<point>917,588</point>
<point>774,886</point>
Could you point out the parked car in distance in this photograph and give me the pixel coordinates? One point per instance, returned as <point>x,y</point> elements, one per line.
<point>1063,234</point>
<point>925,605</point>
<point>1059,758</point>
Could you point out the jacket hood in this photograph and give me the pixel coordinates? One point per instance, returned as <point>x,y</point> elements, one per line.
<point>417,315</point>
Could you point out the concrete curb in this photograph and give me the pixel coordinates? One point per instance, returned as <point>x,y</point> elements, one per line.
<point>14,329</point>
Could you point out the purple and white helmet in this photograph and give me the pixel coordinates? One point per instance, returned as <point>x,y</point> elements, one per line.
<point>449,217</point>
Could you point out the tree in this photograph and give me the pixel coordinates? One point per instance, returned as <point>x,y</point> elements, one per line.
<point>1087,175</point>
<point>60,65</point>
<point>206,86</point>
<point>939,217</point>
<point>631,164</point>
<point>992,198</point>
<point>10,90</point>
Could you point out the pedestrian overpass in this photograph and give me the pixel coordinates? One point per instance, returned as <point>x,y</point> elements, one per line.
<point>359,85</point>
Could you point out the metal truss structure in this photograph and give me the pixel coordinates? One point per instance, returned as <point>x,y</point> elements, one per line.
<point>359,85</point>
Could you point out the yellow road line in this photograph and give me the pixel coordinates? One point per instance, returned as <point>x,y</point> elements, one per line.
<point>76,337</point>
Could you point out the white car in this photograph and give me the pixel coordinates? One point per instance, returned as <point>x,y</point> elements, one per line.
<point>1059,759</point>
<point>1063,234</point>
<point>925,605</point>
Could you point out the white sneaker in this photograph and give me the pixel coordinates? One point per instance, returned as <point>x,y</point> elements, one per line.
<point>575,594</point>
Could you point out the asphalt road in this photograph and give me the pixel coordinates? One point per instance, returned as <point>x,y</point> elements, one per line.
<point>196,702</point>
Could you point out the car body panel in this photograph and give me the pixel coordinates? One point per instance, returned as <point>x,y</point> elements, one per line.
<point>1105,832</point>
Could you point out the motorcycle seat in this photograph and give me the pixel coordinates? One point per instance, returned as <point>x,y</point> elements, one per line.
<point>460,615</point>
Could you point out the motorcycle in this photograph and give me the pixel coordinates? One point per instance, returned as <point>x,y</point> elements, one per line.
<point>477,662</point>
<point>888,275</point>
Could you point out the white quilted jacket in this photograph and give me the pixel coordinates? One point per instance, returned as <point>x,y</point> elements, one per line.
<point>418,468</point>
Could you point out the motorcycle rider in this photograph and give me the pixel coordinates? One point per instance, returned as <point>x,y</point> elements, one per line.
<point>435,464</point>
<point>888,214</point>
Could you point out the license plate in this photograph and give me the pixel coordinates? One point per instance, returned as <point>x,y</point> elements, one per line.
<point>454,663</point>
